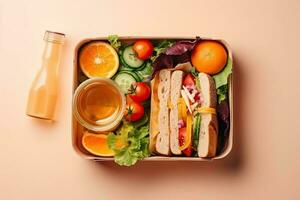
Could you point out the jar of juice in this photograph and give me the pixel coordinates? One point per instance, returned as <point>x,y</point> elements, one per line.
<point>99,104</point>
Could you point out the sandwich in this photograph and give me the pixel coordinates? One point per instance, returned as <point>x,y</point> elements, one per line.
<point>183,114</point>
<point>159,117</point>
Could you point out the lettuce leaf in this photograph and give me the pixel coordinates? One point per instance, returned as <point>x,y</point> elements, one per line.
<point>168,54</point>
<point>194,72</point>
<point>183,58</point>
<point>160,48</point>
<point>221,80</point>
<point>222,77</point>
<point>182,47</point>
<point>224,125</point>
<point>145,72</point>
<point>163,61</point>
<point>222,93</point>
<point>134,144</point>
<point>114,41</point>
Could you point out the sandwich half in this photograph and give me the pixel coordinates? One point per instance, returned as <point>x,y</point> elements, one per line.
<point>193,121</point>
<point>208,135</point>
<point>159,117</point>
<point>176,85</point>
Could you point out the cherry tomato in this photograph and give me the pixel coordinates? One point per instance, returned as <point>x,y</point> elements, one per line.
<point>139,91</point>
<point>128,99</point>
<point>182,133</point>
<point>134,111</point>
<point>189,80</point>
<point>143,48</point>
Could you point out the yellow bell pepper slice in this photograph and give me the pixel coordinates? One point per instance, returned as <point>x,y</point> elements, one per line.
<point>188,138</point>
<point>207,110</point>
<point>182,110</point>
<point>179,110</point>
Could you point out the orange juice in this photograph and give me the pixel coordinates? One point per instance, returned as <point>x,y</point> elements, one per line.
<point>42,96</point>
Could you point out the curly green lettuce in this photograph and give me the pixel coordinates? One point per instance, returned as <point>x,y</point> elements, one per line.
<point>146,71</point>
<point>160,48</point>
<point>114,41</point>
<point>130,144</point>
<point>222,77</point>
<point>221,80</point>
<point>222,93</point>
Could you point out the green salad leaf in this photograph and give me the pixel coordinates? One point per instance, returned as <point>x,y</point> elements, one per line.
<point>222,93</point>
<point>194,72</point>
<point>130,144</point>
<point>221,80</point>
<point>114,41</point>
<point>161,47</point>
<point>146,71</point>
<point>222,77</point>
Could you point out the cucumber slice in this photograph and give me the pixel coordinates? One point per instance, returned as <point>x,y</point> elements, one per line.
<point>124,80</point>
<point>136,76</point>
<point>196,131</point>
<point>141,121</point>
<point>129,57</point>
<point>124,64</point>
<point>125,68</point>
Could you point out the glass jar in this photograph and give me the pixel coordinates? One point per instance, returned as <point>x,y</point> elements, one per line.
<point>99,104</point>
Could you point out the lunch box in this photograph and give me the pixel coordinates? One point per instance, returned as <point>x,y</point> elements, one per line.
<point>78,130</point>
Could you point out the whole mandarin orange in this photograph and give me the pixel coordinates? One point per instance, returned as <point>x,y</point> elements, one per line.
<point>209,57</point>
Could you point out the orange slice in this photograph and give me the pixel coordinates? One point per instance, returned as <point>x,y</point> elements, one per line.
<point>98,59</point>
<point>96,144</point>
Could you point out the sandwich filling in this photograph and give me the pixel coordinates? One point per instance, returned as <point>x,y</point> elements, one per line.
<point>183,114</point>
<point>191,106</point>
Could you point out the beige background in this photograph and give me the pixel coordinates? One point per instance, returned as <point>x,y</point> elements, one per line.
<point>37,160</point>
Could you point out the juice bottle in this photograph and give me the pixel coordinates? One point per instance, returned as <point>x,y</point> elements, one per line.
<point>43,93</point>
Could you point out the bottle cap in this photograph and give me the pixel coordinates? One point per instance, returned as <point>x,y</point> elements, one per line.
<point>54,37</point>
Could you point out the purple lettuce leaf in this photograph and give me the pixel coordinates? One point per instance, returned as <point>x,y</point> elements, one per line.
<point>163,61</point>
<point>181,47</point>
<point>186,57</point>
<point>179,52</point>
<point>224,125</point>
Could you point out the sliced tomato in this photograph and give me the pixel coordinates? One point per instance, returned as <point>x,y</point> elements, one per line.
<point>182,135</point>
<point>134,111</point>
<point>188,151</point>
<point>143,48</point>
<point>189,79</point>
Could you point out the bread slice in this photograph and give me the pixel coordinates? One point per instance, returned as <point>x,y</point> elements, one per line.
<point>153,129</point>
<point>162,145</point>
<point>208,135</point>
<point>176,84</point>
